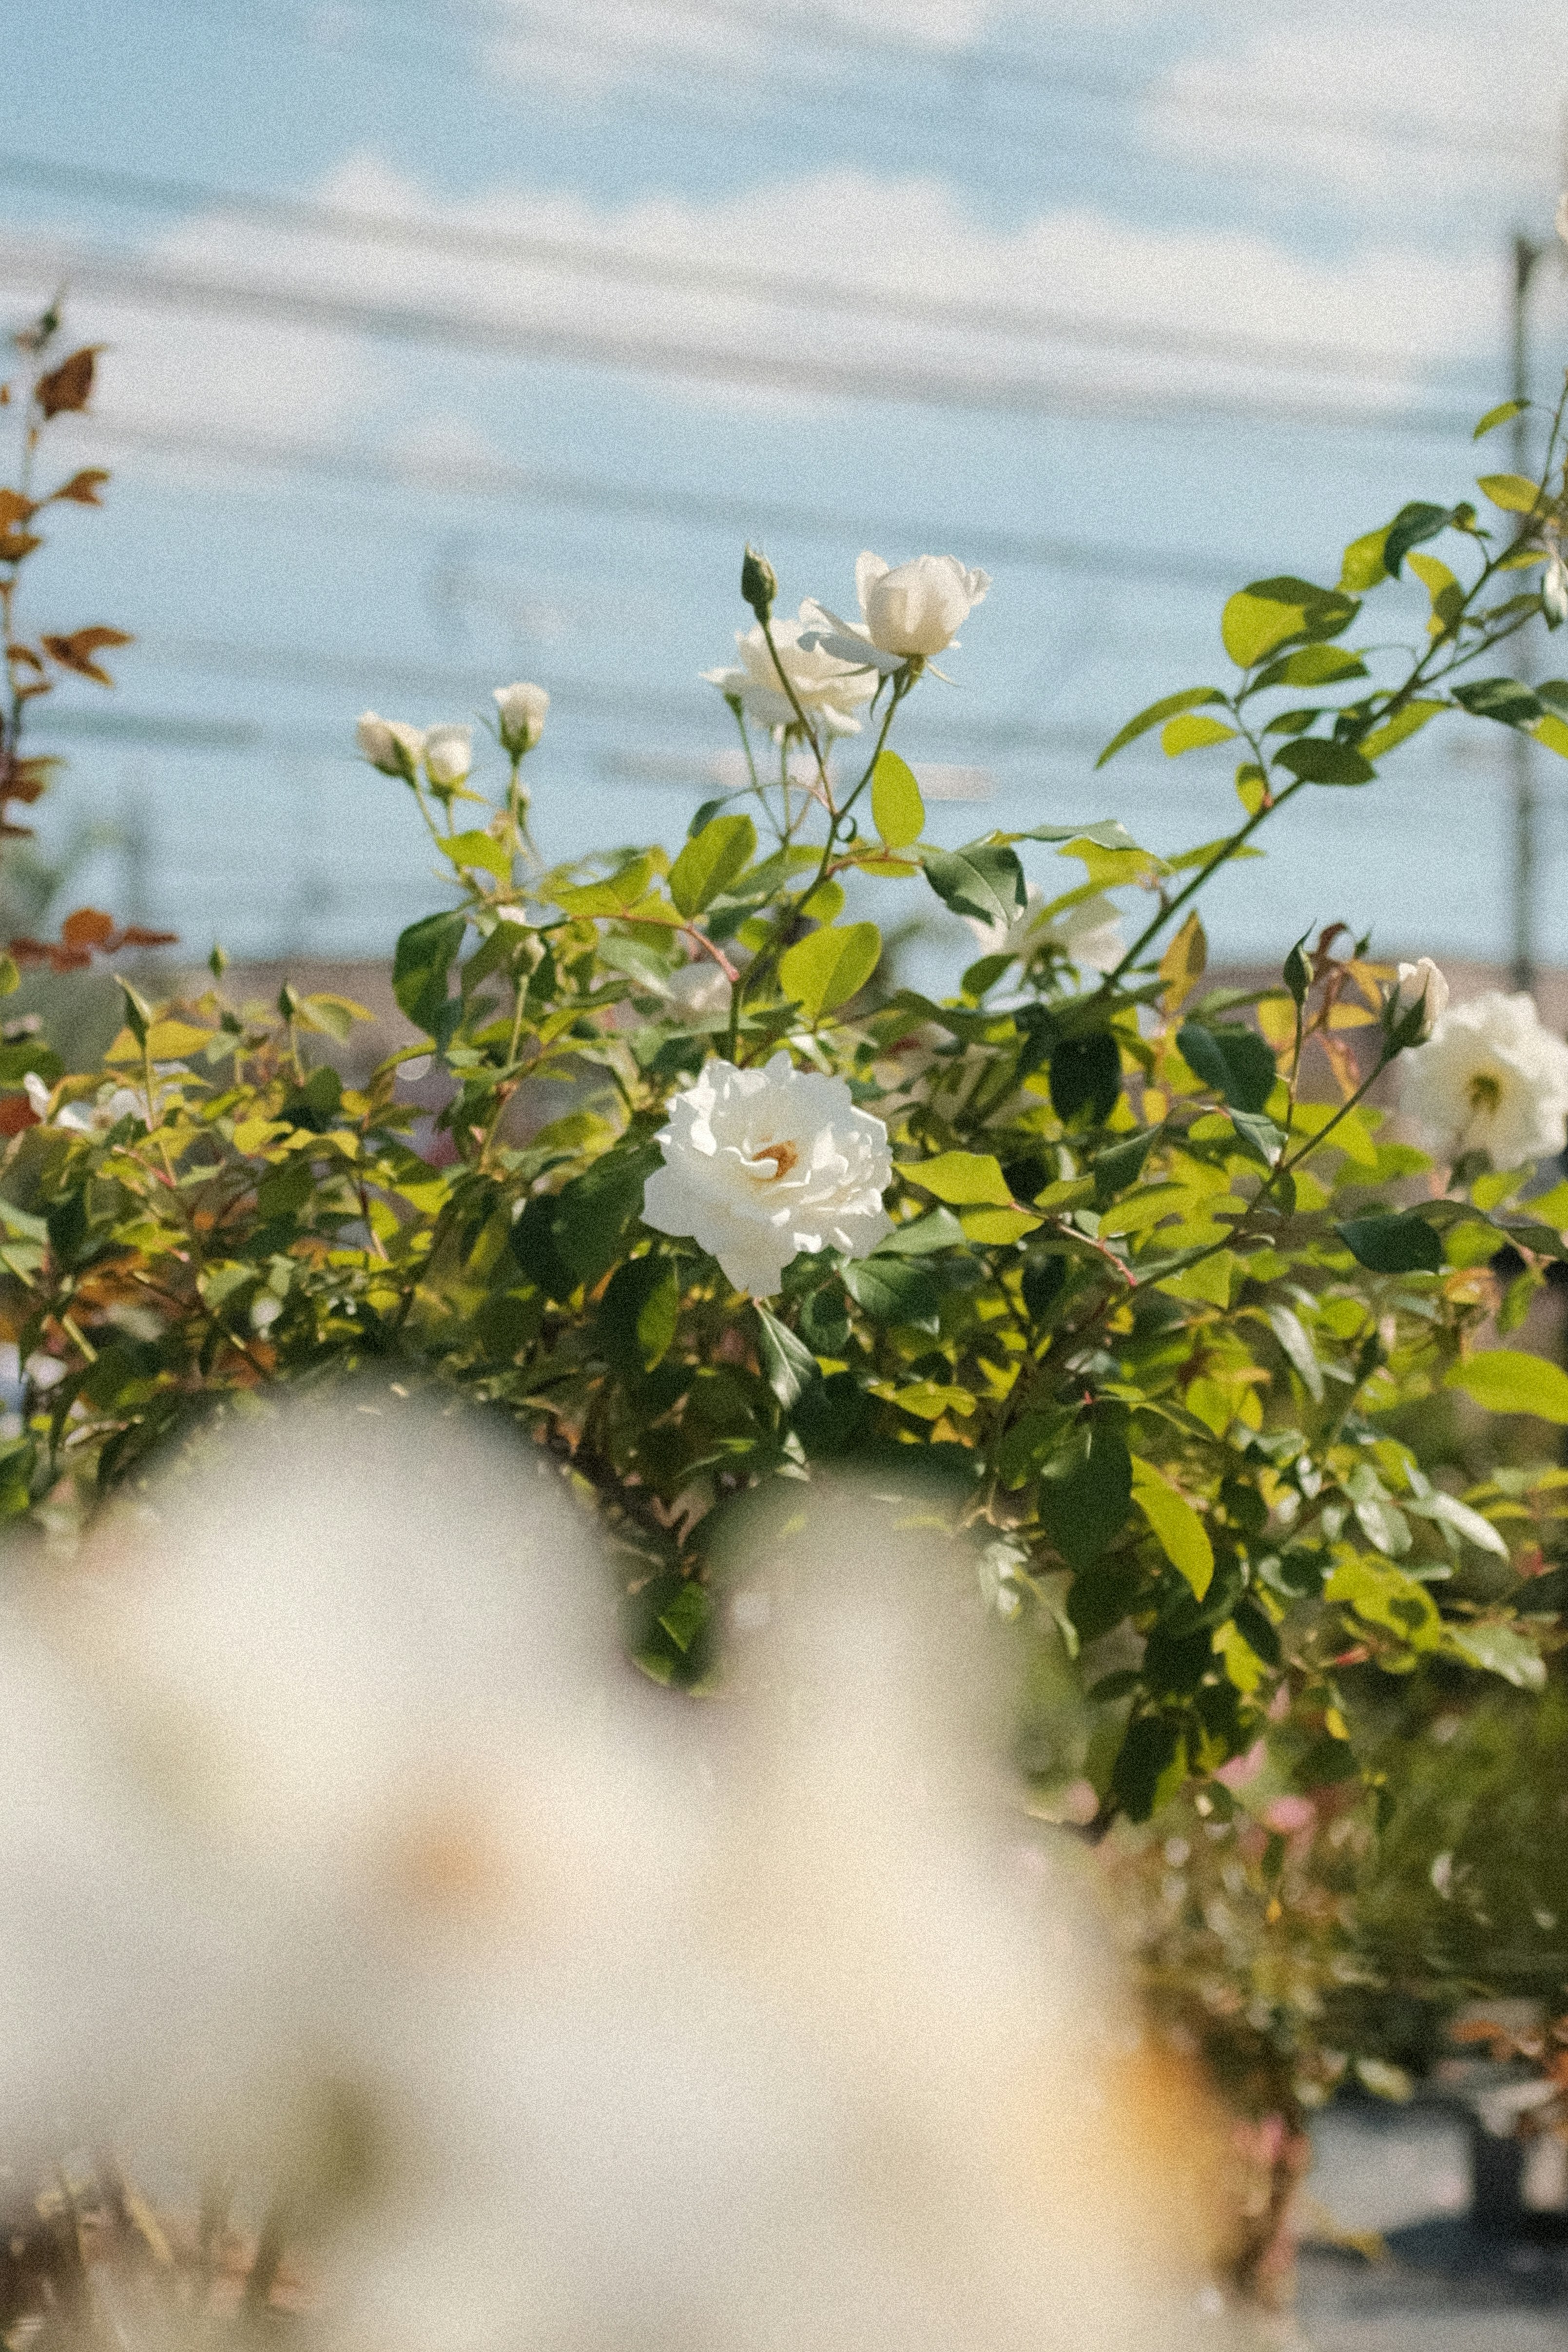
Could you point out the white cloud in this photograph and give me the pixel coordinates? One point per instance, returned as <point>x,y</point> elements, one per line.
<point>1404,105</point>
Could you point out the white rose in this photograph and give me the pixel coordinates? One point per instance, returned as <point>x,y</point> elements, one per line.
<point>698,988</point>
<point>762,1164</point>
<point>829,689</point>
<point>1089,935</point>
<point>448,755</point>
<point>390,744</point>
<point>1554,592</point>
<point>1422,982</point>
<point>522,709</point>
<point>112,1105</point>
<point>1492,1078</point>
<point>914,611</point>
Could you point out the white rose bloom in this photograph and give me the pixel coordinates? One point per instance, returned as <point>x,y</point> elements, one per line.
<point>698,988</point>
<point>762,1164</point>
<point>108,1108</point>
<point>914,611</point>
<point>1089,935</point>
<point>828,688</point>
<point>390,744</point>
<point>448,755</point>
<point>1492,1078</point>
<point>1554,592</point>
<point>522,709</point>
<point>1422,982</point>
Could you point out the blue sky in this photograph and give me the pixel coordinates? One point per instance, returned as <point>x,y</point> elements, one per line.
<point>1228,282</point>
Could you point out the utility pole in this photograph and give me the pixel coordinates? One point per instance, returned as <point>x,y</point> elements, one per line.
<point>1522,752</point>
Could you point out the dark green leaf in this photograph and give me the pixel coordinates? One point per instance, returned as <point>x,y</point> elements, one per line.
<point>1316,760</point>
<point>592,1212</point>
<point>1085,1495</point>
<point>1116,1172</point>
<point>1236,1062</point>
<point>1044,1280</point>
<point>1298,973</point>
<point>1410,526</point>
<point>1151,1757</point>
<point>787,1364</point>
<point>1502,698</point>
<point>1262,1138</point>
<point>31,1055</point>
<point>984,880</point>
<point>890,1290</point>
<point>424,957</point>
<point>1394,1244</point>
<point>638,1314</point>
<point>1086,1075</point>
<point>938,1229</point>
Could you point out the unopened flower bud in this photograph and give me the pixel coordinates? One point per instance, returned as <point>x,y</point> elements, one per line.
<point>448,756</point>
<point>759,582</point>
<point>390,744</point>
<point>521,709</point>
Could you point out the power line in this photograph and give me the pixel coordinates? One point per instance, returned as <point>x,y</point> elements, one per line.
<point>529,486</point>
<point>581,257</point>
<point>966,391</point>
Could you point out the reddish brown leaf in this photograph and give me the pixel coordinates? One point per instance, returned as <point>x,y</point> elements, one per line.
<point>90,927</point>
<point>25,654</point>
<point>27,779</point>
<point>16,1113</point>
<point>75,652</point>
<point>69,385</point>
<point>15,544</point>
<point>15,508</point>
<point>135,935</point>
<point>82,490</point>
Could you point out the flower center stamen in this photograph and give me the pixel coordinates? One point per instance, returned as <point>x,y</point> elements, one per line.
<point>784,1157</point>
<point>1486,1093</point>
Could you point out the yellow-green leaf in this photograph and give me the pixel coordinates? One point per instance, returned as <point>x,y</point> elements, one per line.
<point>1251,626</point>
<point>1182,1534</point>
<point>1498,415</point>
<point>995,1225</point>
<point>929,1400</point>
<point>1510,1380</point>
<point>467,850</point>
<point>609,896</point>
<point>896,807</point>
<point>1510,492</point>
<point>1383,1595</point>
<point>828,967</point>
<point>1553,732</point>
<point>711,861</point>
<point>1191,732</point>
<point>1361,566</point>
<point>1405,721</point>
<point>963,1179</point>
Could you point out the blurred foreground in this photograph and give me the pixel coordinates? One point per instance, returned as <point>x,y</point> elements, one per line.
<point>430,1967</point>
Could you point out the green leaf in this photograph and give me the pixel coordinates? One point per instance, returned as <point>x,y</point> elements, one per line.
<point>592,1212</point>
<point>1192,732</point>
<point>423,956</point>
<point>830,966</point>
<point>1553,732</point>
<point>1316,760</point>
<point>612,896</point>
<point>29,1054</point>
<point>1182,1534</point>
<point>10,978</point>
<point>479,848</point>
<point>1189,699</point>
<point>1236,1062</point>
<point>966,1180</point>
<point>1405,1243</point>
<point>985,881</point>
<point>1502,698</point>
<point>638,1314</point>
<point>1411,526</point>
<point>1086,1075</point>
<point>896,1289</point>
<point>1361,566</point>
<point>1269,612</point>
<point>1086,1494</point>
<point>1513,492</point>
<point>1499,415</point>
<point>711,861</point>
<point>1383,1595</point>
<point>685,1616</point>
<point>787,1364</point>
<point>1509,1379</point>
<point>1499,1650</point>
<point>1115,1172</point>
<point>1405,721</point>
<point>1311,665</point>
<point>897,809</point>
<point>938,1229</point>
<point>1260,1135</point>
<point>1288,1328</point>
<point>1150,1766</point>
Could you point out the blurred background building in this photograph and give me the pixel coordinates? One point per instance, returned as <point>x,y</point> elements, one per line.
<point>455,341</point>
